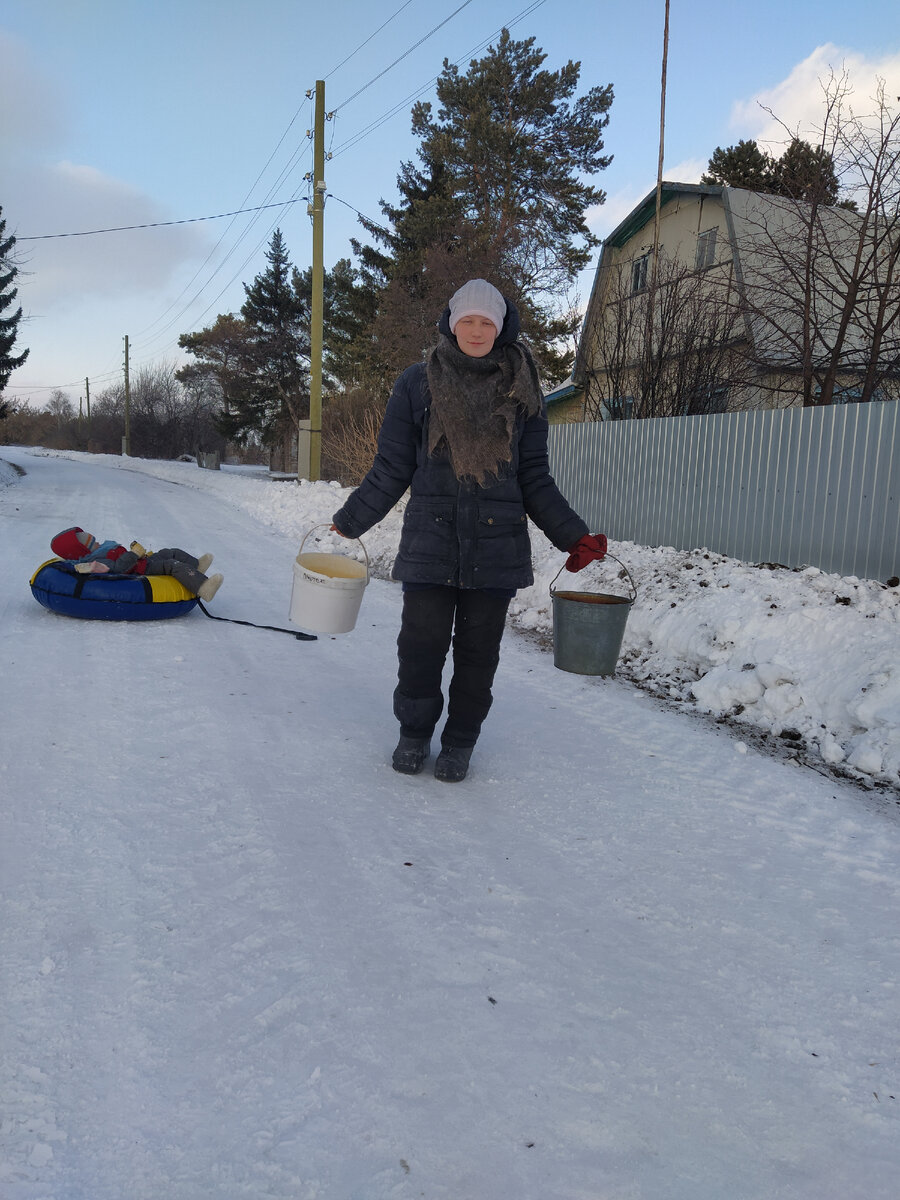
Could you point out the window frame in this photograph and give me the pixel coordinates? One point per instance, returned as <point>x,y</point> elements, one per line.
<point>707,242</point>
<point>640,273</point>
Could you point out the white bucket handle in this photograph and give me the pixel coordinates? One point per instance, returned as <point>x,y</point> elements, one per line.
<point>606,556</point>
<point>327,525</point>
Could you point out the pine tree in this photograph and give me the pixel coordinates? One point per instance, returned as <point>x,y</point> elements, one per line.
<point>501,192</point>
<point>803,172</point>
<point>221,368</point>
<point>516,148</point>
<point>807,173</point>
<point>741,166</point>
<point>9,321</point>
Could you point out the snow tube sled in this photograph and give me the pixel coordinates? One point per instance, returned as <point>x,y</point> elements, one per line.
<point>58,586</point>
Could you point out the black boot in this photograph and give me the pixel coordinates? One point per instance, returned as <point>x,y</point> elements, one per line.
<point>453,763</point>
<point>410,754</point>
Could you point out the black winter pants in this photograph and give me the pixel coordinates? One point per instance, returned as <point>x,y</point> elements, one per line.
<point>476,620</point>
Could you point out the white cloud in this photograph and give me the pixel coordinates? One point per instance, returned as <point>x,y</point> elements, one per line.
<point>688,170</point>
<point>795,105</point>
<point>68,198</point>
<point>78,294</point>
<point>44,195</point>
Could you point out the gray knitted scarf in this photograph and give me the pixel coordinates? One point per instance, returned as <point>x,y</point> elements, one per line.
<point>474,403</point>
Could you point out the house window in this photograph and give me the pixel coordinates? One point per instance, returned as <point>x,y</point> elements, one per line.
<point>639,271</point>
<point>706,249</point>
<point>620,408</point>
<point>708,398</point>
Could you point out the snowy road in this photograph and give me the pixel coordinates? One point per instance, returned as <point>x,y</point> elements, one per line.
<point>242,958</point>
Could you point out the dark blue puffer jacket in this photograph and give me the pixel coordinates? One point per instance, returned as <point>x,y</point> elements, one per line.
<point>457,532</point>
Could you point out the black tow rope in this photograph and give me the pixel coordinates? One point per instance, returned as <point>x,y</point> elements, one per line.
<point>301,637</point>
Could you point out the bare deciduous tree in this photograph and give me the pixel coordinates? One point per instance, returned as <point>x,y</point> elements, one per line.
<point>60,407</point>
<point>672,348</point>
<point>821,281</point>
<point>350,425</point>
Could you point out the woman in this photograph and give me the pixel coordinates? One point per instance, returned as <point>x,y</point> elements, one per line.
<point>466,432</point>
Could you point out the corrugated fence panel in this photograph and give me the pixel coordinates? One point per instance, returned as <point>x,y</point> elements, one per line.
<point>885,496</point>
<point>798,486</point>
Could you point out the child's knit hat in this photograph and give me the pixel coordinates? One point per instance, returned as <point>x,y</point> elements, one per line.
<point>477,298</point>
<point>72,543</point>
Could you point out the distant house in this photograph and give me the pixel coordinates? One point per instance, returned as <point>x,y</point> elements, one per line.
<point>747,301</point>
<point>566,402</point>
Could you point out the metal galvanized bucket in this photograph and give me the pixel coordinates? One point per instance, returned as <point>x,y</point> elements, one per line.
<point>328,589</point>
<point>588,627</point>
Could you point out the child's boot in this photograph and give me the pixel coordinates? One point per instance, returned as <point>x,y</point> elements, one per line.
<point>209,589</point>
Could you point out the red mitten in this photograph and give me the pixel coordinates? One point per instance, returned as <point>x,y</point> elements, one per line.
<point>590,548</point>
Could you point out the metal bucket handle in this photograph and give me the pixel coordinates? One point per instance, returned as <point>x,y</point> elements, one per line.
<point>327,525</point>
<point>606,556</point>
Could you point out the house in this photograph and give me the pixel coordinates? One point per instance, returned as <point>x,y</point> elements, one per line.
<point>741,300</point>
<point>566,402</point>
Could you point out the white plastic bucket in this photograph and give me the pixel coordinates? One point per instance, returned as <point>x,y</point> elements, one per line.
<point>327,590</point>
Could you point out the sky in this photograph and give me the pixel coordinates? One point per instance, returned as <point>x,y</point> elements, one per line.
<point>123,113</point>
<point>638,952</point>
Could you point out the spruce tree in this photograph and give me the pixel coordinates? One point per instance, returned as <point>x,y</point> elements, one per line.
<point>347,310</point>
<point>9,320</point>
<point>276,353</point>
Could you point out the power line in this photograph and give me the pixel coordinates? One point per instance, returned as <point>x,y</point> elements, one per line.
<point>368,39</point>
<point>356,138</point>
<point>283,205</point>
<point>285,171</point>
<point>353,208</point>
<point>42,237</point>
<point>405,54</point>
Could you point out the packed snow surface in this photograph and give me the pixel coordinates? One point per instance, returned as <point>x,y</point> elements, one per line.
<point>636,955</point>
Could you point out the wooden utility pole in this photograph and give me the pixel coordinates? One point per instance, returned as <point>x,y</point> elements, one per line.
<point>317,212</point>
<point>87,396</point>
<point>126,440</point>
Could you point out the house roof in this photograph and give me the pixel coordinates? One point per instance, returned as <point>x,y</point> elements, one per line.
<point>646,210</point>
<point>745,213</point>
<point>563,392</point>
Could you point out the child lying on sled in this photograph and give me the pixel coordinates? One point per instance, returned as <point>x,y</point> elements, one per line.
<point>93,557</point>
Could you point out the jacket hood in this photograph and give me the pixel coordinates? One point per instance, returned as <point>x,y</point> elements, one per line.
<point>68,544</point>
<point>506,336</point>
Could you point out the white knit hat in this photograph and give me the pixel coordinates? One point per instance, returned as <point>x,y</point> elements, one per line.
<point>477,298</point>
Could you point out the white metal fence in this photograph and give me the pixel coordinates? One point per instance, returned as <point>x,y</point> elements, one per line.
<point>798,486</point>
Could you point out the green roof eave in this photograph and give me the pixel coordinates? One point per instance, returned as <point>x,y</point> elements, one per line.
<point>639,218</point>
<point>645,212</point>
<point>563,393</point>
